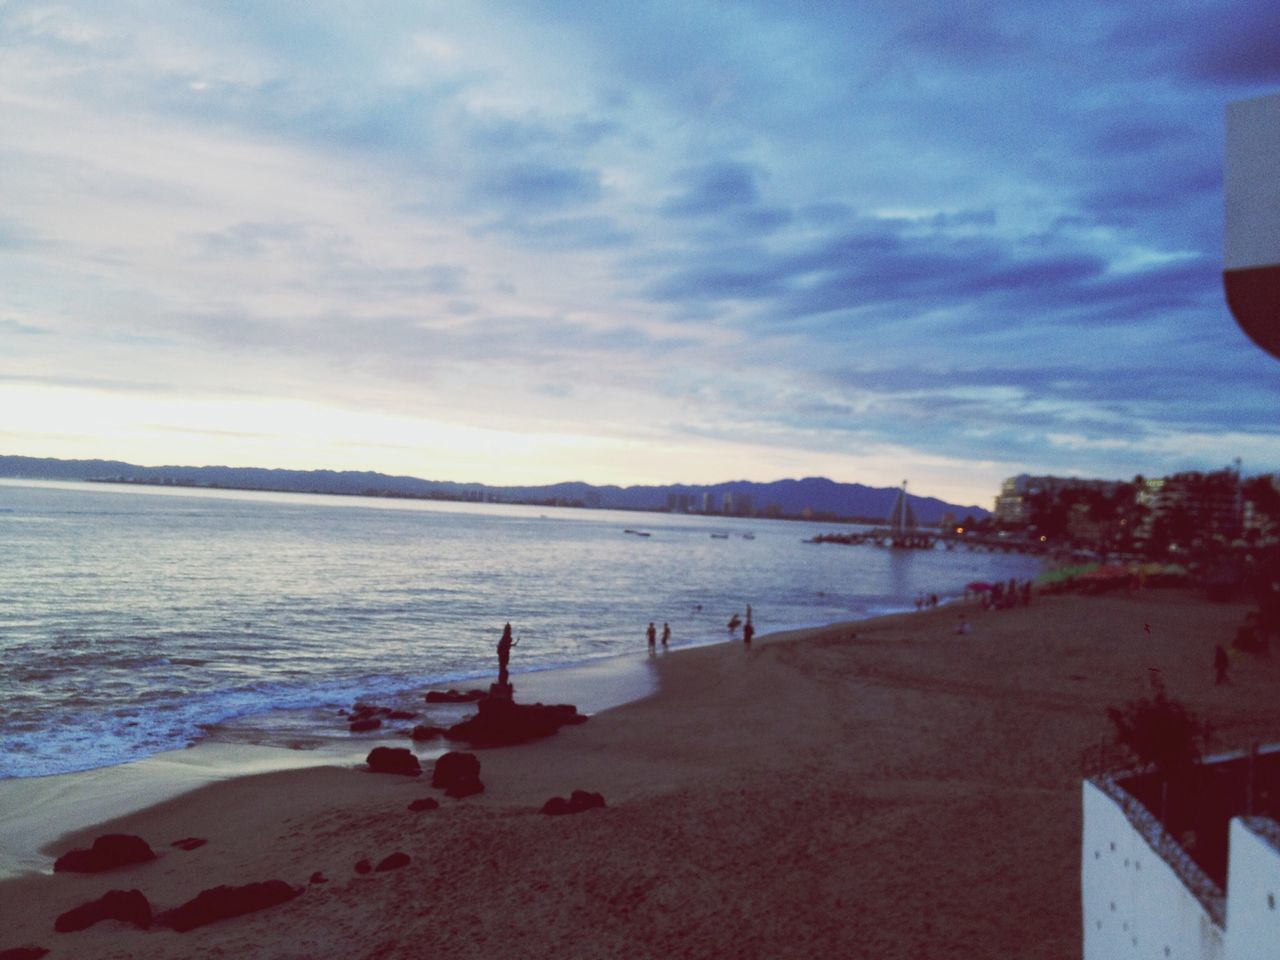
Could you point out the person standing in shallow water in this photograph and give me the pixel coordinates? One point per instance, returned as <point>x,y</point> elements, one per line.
<point>504,654</point>
<point>748,631</point>
<point>666,634</point>
<point>652,635</point>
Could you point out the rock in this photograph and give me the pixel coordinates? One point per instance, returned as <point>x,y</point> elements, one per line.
<point>425,731</point>
<point>578,801</point>
<point>556,806</point>
<point>426,803</point>
<point>464,788</point>
<point>360,726</point>
<point>393,760</point>
<point>108,852</point>
<point>393,862</point>
<point>454,766</point>
<point>453,696</point>
<point>584,800</point>
<point>129,906</point>
<point>501,722</point>
<point>225,902</point>
<point>401,715</point>
<point>369,710</point>
<point>363,866</point>
<point>190,843</point>
<point>29,952</point>
<point>318,877</point>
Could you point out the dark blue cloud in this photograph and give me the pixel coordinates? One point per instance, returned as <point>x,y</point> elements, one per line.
<point>539,186</point>
<point>713,189</point>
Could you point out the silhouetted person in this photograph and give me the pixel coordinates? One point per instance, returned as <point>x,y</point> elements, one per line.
<point>504,654</point>
<point>652,634</point>
<point>733,624</point>
<point>748,631</point>
<point>666,634</point>
<point>748,613</point>
<point>1220,664</point>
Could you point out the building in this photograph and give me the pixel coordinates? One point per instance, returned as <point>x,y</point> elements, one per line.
<point>1193,505</point>
<point>1013,503</point>
<point>1142,892</point>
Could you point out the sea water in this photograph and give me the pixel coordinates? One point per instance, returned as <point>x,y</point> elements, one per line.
<point>135,620</point>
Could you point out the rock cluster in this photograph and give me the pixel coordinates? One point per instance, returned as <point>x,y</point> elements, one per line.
<point>453,696</point>
<point>367,716</point>
<point>500,722</point>
<point>108,852</point>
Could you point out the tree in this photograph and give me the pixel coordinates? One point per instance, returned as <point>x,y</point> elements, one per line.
<point>1159,732</point>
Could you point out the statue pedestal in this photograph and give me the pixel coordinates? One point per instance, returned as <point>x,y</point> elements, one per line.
<point>504,691</point>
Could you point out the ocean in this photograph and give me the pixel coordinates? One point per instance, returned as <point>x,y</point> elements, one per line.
<point>136,620</point>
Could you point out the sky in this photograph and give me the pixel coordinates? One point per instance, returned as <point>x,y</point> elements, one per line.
<point>528,241</point>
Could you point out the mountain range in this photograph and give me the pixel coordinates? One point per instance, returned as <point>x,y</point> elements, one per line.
<point>817,497</point>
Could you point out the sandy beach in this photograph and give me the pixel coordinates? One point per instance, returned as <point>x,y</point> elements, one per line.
<point>878,789</point>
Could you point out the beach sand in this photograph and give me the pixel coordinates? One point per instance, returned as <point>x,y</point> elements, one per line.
<point>901,792</point>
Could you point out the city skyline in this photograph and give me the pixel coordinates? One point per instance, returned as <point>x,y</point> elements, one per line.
<point>521,243</point>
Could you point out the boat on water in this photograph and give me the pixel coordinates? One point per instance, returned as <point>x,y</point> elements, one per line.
<point>636,533</point>
<point>719,536</point>
<point>748,536</point>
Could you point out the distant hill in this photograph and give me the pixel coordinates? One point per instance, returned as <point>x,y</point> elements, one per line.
<point>812,496</point>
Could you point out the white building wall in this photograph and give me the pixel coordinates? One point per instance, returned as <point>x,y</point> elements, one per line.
<point>1134,904</point>
<point>1253,890</point>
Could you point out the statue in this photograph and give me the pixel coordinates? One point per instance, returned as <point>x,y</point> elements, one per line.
<point>504,656</point>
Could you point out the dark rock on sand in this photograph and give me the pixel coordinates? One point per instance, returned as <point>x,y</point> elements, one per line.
<point>464,788</point>
<point>108,852</point>
<point>129,906</point>
<point>454,766</point>
<point>401,715</point>
<point>426,803</point>
<point>222,903</point>
<point>501,722</point>
<point>190,843</point>
<point>579,801</point>
<point>369,723</point>
<point>458,774</point>
<point>393,760</point>
<point>318,877</point>
<point>453,696</point>
<point>29,952</point>
<point>424,731</point>
<point>393,862</point>
<point>363,866</point>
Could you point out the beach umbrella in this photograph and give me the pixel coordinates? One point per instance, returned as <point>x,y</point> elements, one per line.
<point>1108,571</point>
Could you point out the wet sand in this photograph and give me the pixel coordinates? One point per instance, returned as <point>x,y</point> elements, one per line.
<point>877,789</point>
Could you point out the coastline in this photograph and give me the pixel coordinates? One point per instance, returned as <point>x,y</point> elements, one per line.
<point>874,788</point>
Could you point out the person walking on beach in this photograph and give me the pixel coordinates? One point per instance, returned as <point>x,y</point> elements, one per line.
<point>1220,664</point>
<point>666,634</point>
<point>504,654</point>
<point>652,634</point>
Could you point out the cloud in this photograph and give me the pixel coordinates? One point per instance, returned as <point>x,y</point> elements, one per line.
<point>948,233</point>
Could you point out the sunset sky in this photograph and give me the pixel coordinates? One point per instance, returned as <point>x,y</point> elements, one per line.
<point>525,242</point>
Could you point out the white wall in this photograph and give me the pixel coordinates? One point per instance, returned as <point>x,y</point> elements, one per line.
<point>1134,904</point>
<point>1253,890</point>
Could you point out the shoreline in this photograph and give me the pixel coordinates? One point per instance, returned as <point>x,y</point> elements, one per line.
<point>79,799</point>
<point>880,788</point>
